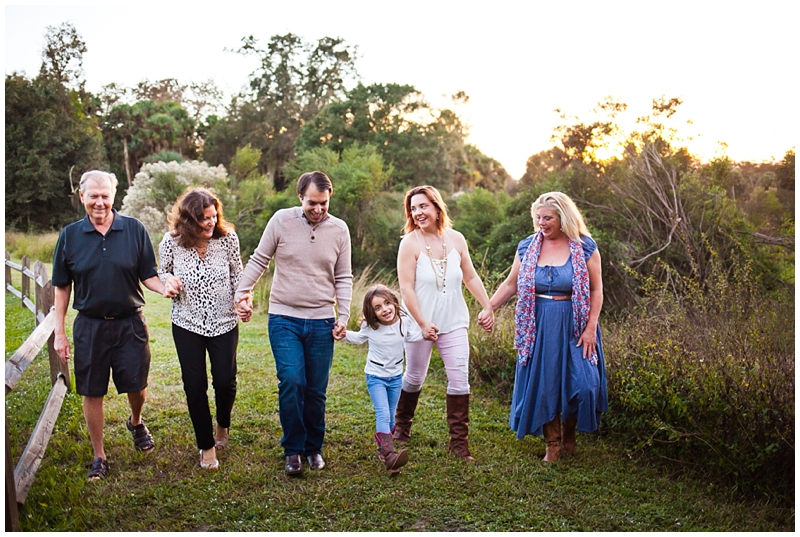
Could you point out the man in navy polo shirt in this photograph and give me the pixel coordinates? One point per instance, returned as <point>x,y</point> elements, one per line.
<point>105,256</point>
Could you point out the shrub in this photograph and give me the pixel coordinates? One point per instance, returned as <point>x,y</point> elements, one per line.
<point>492,358</point>
<point>704,375</point>
<point>156,187</point>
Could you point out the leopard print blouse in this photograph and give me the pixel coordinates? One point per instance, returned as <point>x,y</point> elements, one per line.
<point>205,305</point>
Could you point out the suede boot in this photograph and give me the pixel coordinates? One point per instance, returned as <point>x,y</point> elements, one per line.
<point>552,436</point>
<point>568,435</point>
<point>404,416</point>
<point>458,420</point>
<point>393,459</point>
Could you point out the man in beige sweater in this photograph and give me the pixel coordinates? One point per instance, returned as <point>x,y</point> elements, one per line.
<point>309,302</point>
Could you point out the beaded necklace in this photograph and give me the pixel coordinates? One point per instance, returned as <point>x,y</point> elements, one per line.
<point>439,266</point>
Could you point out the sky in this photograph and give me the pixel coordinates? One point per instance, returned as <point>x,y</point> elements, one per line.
<point>732,63</point>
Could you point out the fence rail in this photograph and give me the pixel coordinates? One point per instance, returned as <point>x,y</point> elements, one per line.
<point>20,480</point>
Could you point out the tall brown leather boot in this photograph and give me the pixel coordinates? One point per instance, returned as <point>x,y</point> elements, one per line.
<point>568,435</point>
<point>394,460</point>
<point>404,416</point>
<point>552,436</point>
<point>458,420</point>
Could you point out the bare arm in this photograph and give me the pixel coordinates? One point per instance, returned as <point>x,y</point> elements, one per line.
<point>589,337</point>
<point>406,276</point>
<point>61,343</point>
<point>474,283</point>
<point>508,288</point>
<point>154,284</point>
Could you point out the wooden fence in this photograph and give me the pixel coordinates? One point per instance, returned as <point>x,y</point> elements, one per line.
<point>20,478</point>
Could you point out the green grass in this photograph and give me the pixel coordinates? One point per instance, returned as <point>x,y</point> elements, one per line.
<point>600,489</point>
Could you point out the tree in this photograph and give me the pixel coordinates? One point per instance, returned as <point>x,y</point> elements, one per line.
<point>785,172</point>
<point>425,145</point>
<point>475,214</point>
<point>294,82</point>
<point>62,57</point>
<point>160,91</point>
<point>133,132</point>
<point>51,138</point>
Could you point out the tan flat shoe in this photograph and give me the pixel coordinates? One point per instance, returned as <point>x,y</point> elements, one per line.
<point>211,466</point>
<point>221,438</point>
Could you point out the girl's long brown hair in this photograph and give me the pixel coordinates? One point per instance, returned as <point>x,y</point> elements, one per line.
<point>368,312</point>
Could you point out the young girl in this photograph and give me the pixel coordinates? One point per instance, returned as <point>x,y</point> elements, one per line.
<point>386,332</point>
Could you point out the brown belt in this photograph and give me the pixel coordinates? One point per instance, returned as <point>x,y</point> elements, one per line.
<point>552,297</point>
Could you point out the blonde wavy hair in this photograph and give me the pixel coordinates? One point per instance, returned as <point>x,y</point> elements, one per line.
<point>572,223</point>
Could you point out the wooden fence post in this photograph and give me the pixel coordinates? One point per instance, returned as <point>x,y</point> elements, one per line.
<point>8,270</point>
<point>12,510</point>
<point>45,301</point>
<point>26,283</point>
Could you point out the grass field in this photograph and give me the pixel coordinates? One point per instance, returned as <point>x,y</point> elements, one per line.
<point>600,489</point>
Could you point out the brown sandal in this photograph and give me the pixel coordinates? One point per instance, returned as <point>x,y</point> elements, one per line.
<point>142,439</point>
<point>98,469</point>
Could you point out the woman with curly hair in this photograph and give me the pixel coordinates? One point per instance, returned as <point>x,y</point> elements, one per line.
<point>200,258</point>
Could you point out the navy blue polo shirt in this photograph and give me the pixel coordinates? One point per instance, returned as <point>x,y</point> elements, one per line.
<point>105,270</point>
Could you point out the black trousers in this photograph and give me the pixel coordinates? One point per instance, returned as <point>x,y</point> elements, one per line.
<point>221,350</point>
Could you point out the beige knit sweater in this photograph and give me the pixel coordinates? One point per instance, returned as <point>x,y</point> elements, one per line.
<point>312,276</point>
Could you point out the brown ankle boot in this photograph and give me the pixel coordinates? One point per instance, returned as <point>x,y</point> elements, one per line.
<point>552,436</point>
<point>568,435</point>
<point>394,460</point>
<point>458,420</point>
<point>404,416</point>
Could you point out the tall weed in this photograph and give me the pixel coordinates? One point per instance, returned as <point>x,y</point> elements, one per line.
<point>492,356</point>
<point>704,375</point>
<point>36,246</point>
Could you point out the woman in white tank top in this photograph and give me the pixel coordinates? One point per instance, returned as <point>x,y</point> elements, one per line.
<point>432,263</point>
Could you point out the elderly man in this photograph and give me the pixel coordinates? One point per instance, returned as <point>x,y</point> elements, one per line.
<point>105,256</point>
<point>311,250</point>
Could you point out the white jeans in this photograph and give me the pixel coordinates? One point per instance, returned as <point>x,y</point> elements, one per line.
<point>453,348</point>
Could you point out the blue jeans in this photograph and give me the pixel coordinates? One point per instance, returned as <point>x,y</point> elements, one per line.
<point>384,392</point>
<point>303,351</point>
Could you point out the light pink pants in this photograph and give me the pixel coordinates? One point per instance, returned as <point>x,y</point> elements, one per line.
<point>453,348</point>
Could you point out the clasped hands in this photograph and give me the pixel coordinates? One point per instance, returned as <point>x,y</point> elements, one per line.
<point>244,307</point>
<point>339,330</point>
<point>172,286</point>
<point>486,320</point>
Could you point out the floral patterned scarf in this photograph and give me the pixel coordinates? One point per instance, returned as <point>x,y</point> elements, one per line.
<point>525,320</point>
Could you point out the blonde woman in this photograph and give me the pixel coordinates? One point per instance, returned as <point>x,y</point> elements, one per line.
<point>432,263</point>
<point>560,382</point>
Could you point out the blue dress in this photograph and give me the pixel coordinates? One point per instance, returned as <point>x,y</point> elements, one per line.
<point>557,379</point>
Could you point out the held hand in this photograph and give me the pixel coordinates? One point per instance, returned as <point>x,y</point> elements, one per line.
<point>172,286</point>
<point>486,320</point>
<point>430,331</point>
<point>589,341</point>
<point>61,344</point>
<point>244,307</point>
<point>339,331</point>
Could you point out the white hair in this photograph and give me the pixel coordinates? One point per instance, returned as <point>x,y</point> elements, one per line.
<point>96,175</point>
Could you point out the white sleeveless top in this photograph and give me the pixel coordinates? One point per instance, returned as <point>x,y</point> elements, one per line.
<point>447,308</point>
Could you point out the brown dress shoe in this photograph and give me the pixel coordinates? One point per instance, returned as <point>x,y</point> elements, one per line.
<point>293,465</point>
<point>316,462</point>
